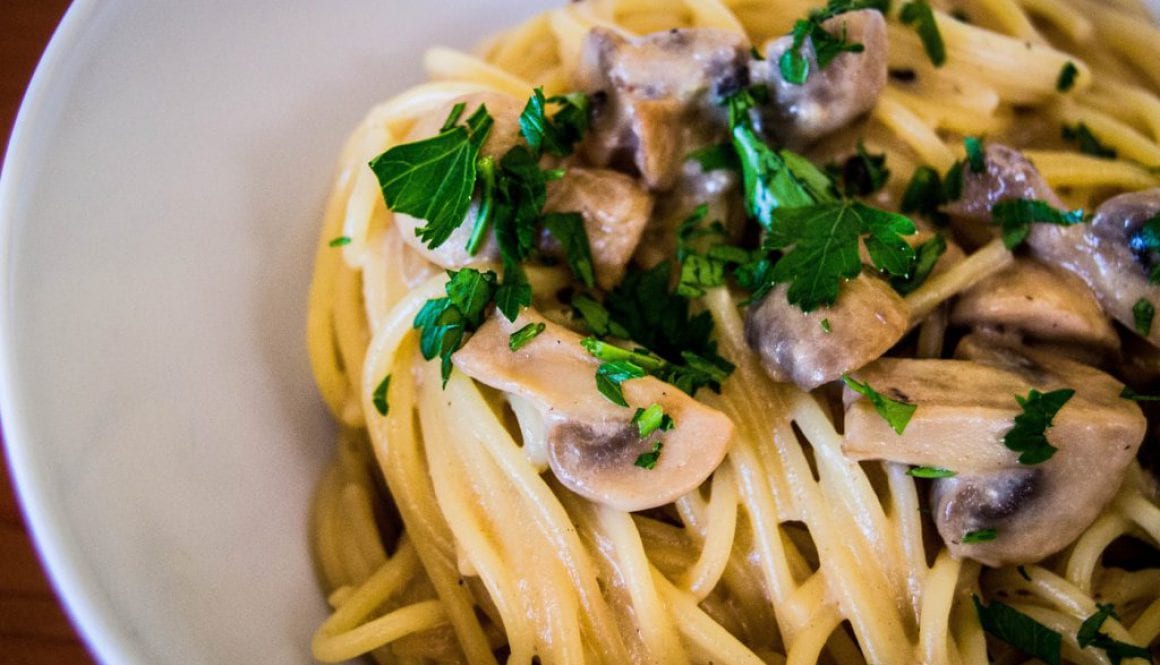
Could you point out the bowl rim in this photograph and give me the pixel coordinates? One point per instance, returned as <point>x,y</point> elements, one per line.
<point>99,626</point>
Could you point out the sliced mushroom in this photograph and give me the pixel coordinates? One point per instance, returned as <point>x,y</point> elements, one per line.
<point>1108,254</point>
<point>831,97</point>
<point>1008,174</point>
<point>654,97</point>
<point>868,319</point>
<point>1040,302</point>
<point>504,134</point>
<point>592,443</point>
<point>615,209</point>
<point>965,407</point>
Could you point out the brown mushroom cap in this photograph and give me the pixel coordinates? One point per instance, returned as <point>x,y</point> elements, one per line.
<point>1101,254</point>
<point>965,408</point>
<point>654,96</point>
<point>1044,303</point>
<point>867,319</point>
<point>615,208</point>
<point>592,443</point>
<point>831,97</point>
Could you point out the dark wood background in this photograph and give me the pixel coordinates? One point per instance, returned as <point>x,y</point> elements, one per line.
<point>33,628</point>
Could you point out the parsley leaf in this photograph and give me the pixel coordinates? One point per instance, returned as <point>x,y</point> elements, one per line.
<point>862,174</point>
<point>568,229</point>
<point>697,372</point>
<point>930,472</point>
<point>926,256</point>
<point>897,414</point>
<point>1128,393</point>
<point>520,338</point>
<point>919,14</point>
<point>826,327</point>
<point>975,156</point>
<point>1143,312</point>
<point>442,322</point>
<point>433,179</point>
<point>924,195</point>
<point>1088,144</point>
<point>793,63</point>
<point>1016,216</point>
<point>340,241</point>
<point>1089,635</point>
<point>658,319</point>
<point>649,460</point>
<point>1067,74</point>
<point>597,318</point>
<point>716,157</point>
<point>611,374</point>
<point>652,419</point>
<point>379,396</point>
<point>1019,630</point>
<point>979,536</point>
<point>1027,437</point>
<point>822,242</point>
<point>559,134</point>
<point>514,292</point>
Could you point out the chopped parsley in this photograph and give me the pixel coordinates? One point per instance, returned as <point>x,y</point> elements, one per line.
<point>924,194</point>
<point>716,157</point>
<point>1087,142</point>
<point>826,327</point>
<point>652,419</point>
<point>1015,217</point>
<point>1028,436</point>
<point>794,63</point>
<point>979,536</point>
<point>701,270</point>
<point>379,396</point>
<point>340,241</point>
<point>821,244</point>
<point>568,229</point>
<point>558,134</point>
<point>1023,572</point>
<point>1142,314</point>
<point>930,472</point>
<point>1019,630</point>
<point>897,414</point>
<point>862,174</point>
<point>597,318</point>
<point>1145,244</point>
<point>1128,393</point>
<point>919,14</point>
<point>433,179</point>
<point>975,157</point>
<point>620,365</point>
<point>443,322</point>
<point>610,376</point>
<point>926,256</point>
<point>521,337</point>
<point>649,460</point>
<point>1067,74</point>
<point>1089,635</point>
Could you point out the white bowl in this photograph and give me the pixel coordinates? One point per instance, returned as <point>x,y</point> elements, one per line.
<point>158,210</point>
<point>159,206</point>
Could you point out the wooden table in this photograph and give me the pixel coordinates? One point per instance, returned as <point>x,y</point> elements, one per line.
<point>33,628</point>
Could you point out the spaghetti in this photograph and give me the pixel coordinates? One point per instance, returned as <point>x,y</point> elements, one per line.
<point>438,536</point>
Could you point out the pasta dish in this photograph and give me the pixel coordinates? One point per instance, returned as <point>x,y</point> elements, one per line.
<point>750,332</point>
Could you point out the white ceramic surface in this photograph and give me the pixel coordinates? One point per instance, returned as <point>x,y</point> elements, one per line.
<point>159,208</point>
<point>158,211</point>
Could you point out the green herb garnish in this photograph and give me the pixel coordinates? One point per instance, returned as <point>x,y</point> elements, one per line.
<point>1067,74</point>
<point>340,241</point>
<point>379,396</point>
<point>919,14</point>
<point>597,318</point>
<point>717,157</point>
<point>1019,630</point>
<point>649,460</point>
<point>1142,313</point>
<point>930,472</point>
<point>1089,635</point>
<point>975,157</point>
<point>1088,144</point>
<point>1016,216</point>
<point>826,327</point>
<point>1145,241</point>
<point>862,174</point>
<point>652,419</point>
<point>979,536</point>
<point>443,322</point>
<point>568,229</point>
<point>926,256</point>
<point>1128,393</point>
<point>619,365</point>
<point>521,337</point>
<point>924,195</point>
<point>1028,436</point>
<point>557,135</point>
<point>897,414</point>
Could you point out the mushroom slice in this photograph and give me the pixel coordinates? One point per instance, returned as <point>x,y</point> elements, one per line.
<point>615,209</point>
<point>504,135</point>
<point>868,319</point>
<point>1044,303</point>
<point>654,96</point>
<point>832,96</point>
<point>965,408</point>
<point>593,445</point>
<point>1008,174</point>
<point>1110,255</point>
